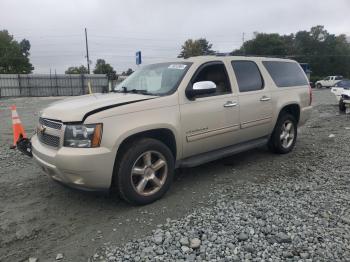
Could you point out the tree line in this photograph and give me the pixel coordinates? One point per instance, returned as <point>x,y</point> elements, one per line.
<point>326,53</point>
<point>101,67</point>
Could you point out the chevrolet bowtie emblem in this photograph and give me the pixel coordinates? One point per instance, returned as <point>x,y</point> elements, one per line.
<point>41,129</point>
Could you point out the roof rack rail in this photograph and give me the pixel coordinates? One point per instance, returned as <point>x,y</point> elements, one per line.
<point>222,54</point>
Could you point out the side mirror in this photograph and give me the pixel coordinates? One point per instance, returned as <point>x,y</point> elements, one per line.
<point>201,88</point>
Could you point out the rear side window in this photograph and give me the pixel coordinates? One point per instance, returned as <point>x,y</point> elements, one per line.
<point>248,76</point>
<point>286,74</point>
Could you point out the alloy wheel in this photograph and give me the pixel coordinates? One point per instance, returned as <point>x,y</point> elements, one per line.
<point>287,134</point>
<point>149,173</point>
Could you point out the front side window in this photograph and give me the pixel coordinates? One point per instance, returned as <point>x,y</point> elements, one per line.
<point>155,79</point>
<point>286,74</point>
<point>248,76</point>
<point>216,73</point>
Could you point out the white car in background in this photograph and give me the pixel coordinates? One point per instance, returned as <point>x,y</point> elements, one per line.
<point>328,81</point>
<point>341,90</point>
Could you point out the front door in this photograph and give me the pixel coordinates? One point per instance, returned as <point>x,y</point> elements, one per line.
<point>209,121</point>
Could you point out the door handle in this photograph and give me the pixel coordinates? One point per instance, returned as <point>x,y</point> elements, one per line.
<point>230,104</point>
<point>265,98</point>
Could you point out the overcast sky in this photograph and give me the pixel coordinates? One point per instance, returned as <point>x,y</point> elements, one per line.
<point>116,29</point>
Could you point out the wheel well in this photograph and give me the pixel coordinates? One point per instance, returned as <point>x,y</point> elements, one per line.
<point>292,109</point>
<point>164,135</point>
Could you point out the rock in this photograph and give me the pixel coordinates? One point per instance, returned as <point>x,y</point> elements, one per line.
<point>184,241</point>
<point>185,249</point>
<point>287,254</point>
<point>159,251</point>
<point>304,255</point>
<point>230,246</point>
<point>158,239</point>
<point>250,249</point>
<point>283,238</point>
<point>243,236</point>
<point>195,243</point>
<point>59,256</point>
<point>345,220</point>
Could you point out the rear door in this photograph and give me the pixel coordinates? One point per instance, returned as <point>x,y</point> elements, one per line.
<point>254,100</point>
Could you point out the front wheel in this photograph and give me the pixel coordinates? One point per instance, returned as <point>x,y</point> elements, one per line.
<point>144,171</point>
<point>284,136</point>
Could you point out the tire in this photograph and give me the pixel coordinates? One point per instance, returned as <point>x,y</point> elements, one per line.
<point>276,143</point>
<point>342,107</point>
<point>150,182</point>
<point>319,86</point>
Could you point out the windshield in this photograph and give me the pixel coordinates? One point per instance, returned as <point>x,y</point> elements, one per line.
<point>155,79</point>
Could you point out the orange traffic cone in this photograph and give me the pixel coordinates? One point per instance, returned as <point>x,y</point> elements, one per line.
<point>18,130</point>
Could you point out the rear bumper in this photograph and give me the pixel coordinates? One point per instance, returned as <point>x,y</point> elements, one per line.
<point>88,169</point>
<point>305,114</point>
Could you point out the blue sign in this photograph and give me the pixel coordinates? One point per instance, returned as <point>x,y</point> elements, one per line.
<point>138,58</point>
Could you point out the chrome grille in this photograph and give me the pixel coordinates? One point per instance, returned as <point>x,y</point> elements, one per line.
<point>49,140</point>
<point>50,123</point>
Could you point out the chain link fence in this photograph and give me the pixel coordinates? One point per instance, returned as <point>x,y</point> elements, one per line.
<point>13,85</point>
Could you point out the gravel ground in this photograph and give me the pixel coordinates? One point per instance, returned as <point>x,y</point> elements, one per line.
<point>300,212</point>
<point>253,206</point>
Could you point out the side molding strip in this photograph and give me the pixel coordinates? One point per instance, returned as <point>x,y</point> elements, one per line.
<point>256,122</point>
<point>213,132</point>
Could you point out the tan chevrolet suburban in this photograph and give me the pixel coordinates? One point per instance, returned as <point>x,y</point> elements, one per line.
<point>169,115</point>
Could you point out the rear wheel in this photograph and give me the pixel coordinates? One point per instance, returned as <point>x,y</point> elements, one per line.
<point>144,171</point>
<point>284,136</point>
<point>342,107</point>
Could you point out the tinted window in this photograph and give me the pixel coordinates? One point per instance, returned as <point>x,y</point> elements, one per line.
<point>217,74</point>
<point>248,76</point>
<point>343,83</point>
<point>286,74</point>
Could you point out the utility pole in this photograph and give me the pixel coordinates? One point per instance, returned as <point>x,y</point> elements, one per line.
<point>243,43</point>
<point>87,52</point>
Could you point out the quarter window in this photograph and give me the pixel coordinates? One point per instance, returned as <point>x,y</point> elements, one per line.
<point>248,76</point>
<point>286,74</point>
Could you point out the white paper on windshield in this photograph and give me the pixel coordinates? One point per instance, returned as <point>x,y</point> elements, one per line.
<point>177,66</point>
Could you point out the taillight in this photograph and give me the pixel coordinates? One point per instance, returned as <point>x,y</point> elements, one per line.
<point>310,95</point>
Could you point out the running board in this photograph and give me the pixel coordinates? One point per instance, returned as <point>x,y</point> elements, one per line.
<point>221,153</point>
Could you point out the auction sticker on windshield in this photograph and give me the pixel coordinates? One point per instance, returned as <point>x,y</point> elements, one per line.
<point>177,66</point>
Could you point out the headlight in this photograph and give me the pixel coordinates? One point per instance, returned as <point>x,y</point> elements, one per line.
<point>83,136</point>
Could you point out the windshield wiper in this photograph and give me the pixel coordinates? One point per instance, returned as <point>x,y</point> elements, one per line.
<point>124,89</point>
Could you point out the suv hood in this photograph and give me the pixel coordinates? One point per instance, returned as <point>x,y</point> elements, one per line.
<point>77,109</point>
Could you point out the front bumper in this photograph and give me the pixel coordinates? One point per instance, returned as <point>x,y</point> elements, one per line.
<point>82,168</point>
